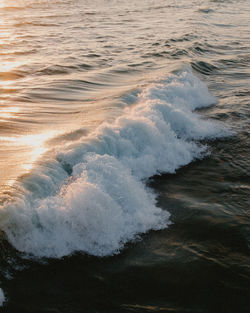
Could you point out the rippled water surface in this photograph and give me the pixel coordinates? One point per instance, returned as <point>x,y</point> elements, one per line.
<point>124,156</point>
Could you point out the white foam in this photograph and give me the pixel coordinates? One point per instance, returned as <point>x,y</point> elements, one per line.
<point>2,297</point>
<point>104,203</point>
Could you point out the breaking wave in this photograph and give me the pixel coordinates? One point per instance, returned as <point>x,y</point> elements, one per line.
<point>92,197</point>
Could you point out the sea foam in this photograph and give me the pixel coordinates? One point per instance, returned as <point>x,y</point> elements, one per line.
<point>102,202</point>
<point>2,297</point>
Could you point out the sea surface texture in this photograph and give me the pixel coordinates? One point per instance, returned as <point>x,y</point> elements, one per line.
<point>124,156</point>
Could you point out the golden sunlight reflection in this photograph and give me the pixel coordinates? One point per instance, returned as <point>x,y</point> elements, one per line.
<point>9,65</point>
<point>8,112</point>
<point>5,83</point>
<point>35,144</point>
<point>7,3</point>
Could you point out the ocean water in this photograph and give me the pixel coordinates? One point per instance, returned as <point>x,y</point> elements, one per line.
<point>124,156</point>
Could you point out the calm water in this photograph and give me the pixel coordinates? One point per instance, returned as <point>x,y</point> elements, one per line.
<point>124,156</point>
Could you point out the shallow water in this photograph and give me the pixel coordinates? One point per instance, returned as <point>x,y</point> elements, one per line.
<point>108,133</point>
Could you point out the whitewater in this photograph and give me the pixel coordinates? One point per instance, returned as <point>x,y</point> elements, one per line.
<point>92,197</point>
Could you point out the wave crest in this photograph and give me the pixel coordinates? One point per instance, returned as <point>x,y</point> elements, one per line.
<point>104,203</point>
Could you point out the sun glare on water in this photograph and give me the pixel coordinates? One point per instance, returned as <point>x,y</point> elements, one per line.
<point>8,112</point>
<point>35,145</point>
<point>9,3</point>
<point>18,3</point>
<point>6,3</point>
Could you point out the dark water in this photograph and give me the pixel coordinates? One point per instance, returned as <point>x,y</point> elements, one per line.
<point>198,263</point>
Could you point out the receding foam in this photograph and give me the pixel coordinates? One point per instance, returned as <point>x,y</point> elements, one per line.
<point>104,203</point>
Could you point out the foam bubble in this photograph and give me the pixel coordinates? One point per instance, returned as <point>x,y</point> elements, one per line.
<point>2,297</point>
<point>104,203</point>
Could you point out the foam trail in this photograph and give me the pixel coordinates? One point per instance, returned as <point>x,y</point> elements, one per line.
<point>104,203</point>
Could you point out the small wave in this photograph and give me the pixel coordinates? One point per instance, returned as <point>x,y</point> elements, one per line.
<point>92,198</point>
<point>186,37</point>
<point>203,67</point>
<point>12,75</point>
<point>177,53</point>
<point>28,23</point>
<point>56,70</point>
<point>239,60</point>
<point>205,10</point>
<point>199,48</point>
